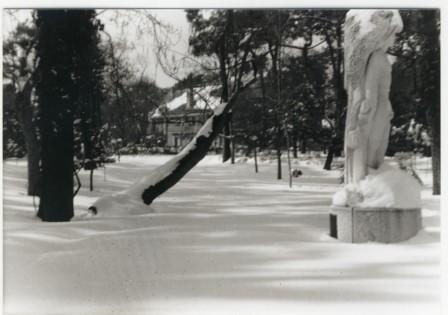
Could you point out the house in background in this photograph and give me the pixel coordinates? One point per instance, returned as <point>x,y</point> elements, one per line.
<point>179,119</point>
<point>184,112</point>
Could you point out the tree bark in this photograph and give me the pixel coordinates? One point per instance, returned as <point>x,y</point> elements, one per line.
<point>279,162</point>
<point>329,160</point>
<point>222,56</point>
<point>303,145</point>
<point>435,153</point>
<point>91,179</point>
<point>31,143</point>
<point>57,97</point>
<point>255,160</point>
<point>289,159</point>
<point>34,177</point>
<point>294,145</point>
<point>227,150</point>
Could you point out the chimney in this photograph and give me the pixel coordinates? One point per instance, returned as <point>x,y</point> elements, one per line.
<point>190,98</point>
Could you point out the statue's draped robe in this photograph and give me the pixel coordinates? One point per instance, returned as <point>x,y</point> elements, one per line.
<point>368,119</point>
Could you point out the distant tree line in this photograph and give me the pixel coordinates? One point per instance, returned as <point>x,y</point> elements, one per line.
<point>303,101</point>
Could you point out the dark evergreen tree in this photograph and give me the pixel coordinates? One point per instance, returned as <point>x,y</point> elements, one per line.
<point>430,65</point>
<point>68,86</point>
<point>416,95</point>
<point>88,77</point>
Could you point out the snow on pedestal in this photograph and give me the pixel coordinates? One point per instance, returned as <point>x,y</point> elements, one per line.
<point>384,207</point>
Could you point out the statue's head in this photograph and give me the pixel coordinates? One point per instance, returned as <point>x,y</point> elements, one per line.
<point>364,32</point>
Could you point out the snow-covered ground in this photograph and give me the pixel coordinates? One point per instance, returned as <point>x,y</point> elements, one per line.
<point>222,241</point>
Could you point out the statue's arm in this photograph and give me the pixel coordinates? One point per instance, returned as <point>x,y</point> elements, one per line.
<point>371,88</point>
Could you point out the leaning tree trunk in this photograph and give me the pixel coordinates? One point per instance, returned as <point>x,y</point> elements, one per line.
<point>31,143</point>
<point>167,175</point>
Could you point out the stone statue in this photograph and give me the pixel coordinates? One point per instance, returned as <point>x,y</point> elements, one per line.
<point>368,35</point>
<point>378,202</point>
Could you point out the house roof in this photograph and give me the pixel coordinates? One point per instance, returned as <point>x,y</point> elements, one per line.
<point>203,99</point>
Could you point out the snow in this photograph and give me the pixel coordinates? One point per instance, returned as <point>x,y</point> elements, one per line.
<point>202,98</point>
<point>363,16</point>
<point>387,187</point>
<point>177,102</point>
<point>224,240</point>
<point>130,198</point>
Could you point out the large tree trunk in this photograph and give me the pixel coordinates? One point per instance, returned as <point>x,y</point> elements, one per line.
<point>57,96</point>
<point>25,109</point>
<point>33,157</point>
<point>167,175</point>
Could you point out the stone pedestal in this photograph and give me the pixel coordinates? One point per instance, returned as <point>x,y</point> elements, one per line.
<point>384,225</point>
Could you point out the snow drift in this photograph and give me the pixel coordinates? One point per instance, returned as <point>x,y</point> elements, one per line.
<point>386,187</point>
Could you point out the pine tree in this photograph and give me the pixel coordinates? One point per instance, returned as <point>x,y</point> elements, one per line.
<point>88,77</point>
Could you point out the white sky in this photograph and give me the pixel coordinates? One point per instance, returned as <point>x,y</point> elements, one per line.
<point>141,55</point>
